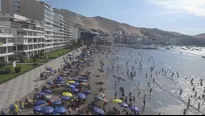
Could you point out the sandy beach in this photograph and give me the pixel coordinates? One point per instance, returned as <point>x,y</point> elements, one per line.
<point>95,76</point>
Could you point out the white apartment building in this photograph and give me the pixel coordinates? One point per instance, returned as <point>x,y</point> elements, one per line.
<point>6,44</point>
<point>28,34</point>
<point>42,11</point>
<point>59,32</point>
<point>75,34</point>
<point>10,6</point>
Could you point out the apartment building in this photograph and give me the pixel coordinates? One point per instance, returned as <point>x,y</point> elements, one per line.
<point>6,44</point>
<point>10,6</point>
<point>28,34</point>
<point>75,34</point>
<point>59,32</point>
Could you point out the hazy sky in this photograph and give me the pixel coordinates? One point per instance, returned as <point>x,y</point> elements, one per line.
<point>184,16</point>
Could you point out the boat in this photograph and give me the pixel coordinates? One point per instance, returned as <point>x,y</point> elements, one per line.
<point>203,56</point>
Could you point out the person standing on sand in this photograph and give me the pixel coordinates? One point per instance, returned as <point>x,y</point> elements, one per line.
<point>184,111</point>
<point>198,106</point>
<point>180,93</point>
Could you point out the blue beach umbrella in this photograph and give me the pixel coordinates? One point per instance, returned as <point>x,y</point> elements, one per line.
<point>76,83</point>
<point>40,93</point>
<point>50,82</point>
<point>39,102</point>
<point>83,80</point>
<point>59,78</point>
<point>75,90</point>
<point>87,92</point>
<point>47,91</point>
<point>124,105</point>
<point>49,69</point>
<point>71,86</point>
<point>81,95</point>
<point>60,110</point>
<point>57,102</point>
<point>135,109</point>
<point>99,111</point>
<point>82,77</point>
<point>65,98</point>
<point>59,82</point>
<point>47,109</point>
<point>37,108</point>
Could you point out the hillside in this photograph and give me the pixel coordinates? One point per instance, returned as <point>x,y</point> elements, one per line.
<point>110,26</point>
<point>202,36</point>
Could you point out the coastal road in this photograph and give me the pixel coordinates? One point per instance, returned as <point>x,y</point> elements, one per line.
<point>23,85</point>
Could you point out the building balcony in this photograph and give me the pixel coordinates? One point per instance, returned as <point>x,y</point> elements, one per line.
<point>31,50</point>
<point>7,44</point>
<point>28,43</point>
<point>6,54</point>
<point>30,36</point>
<point>31,30</point>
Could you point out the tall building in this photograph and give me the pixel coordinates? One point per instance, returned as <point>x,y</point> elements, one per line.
<point>10,6</point>
<point>39,10</point>
<point>75,34</point>
<point>42,11</point>
<point>59,31</point>
<point>6,44</point>
<point>28,34</point>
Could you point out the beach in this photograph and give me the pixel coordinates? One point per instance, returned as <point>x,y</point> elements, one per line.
<point>143,76</point>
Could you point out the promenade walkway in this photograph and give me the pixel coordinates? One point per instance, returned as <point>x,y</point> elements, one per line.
<point>23,85</point>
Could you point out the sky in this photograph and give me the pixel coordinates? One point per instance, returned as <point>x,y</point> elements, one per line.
<point>184,16</point>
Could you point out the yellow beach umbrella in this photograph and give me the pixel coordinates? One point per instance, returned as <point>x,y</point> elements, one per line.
<point>71,82</point>
<point>83,83</point>
<point>67,94</point>
<point>117,101</point>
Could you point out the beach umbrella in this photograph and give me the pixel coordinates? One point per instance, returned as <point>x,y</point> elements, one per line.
<point>83,80</point>
<point>87,92</point>
<point>75,90</point>
<point>60,110</point>
<point>57,102</point>
<point>40,93</point>
<point>76,83</point>
<point>47,91</point>
<point>59,82</point>
<point>70,82</point>
<point>82,77</point>
<point>124,105</point>
<point>117,101</point>
<point>48,96</point>
<point>71,86</point>
<point>59,78</point>
<point>98,98</point>
<point>65,98</point>
<point>50,82</point>
<point>81,95</point>
<point>39,102</point>
<point>83,83</point>
<point>67,94</point>
<point>81,61</point>
<point>49,69</point>
<point>99,111</point>
<point>37,108</point>
<point>135,109</point>
<point>47,109</point>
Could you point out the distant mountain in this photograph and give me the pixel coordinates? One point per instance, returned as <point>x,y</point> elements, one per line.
<point>110,26</point>
<point>201,36</point>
